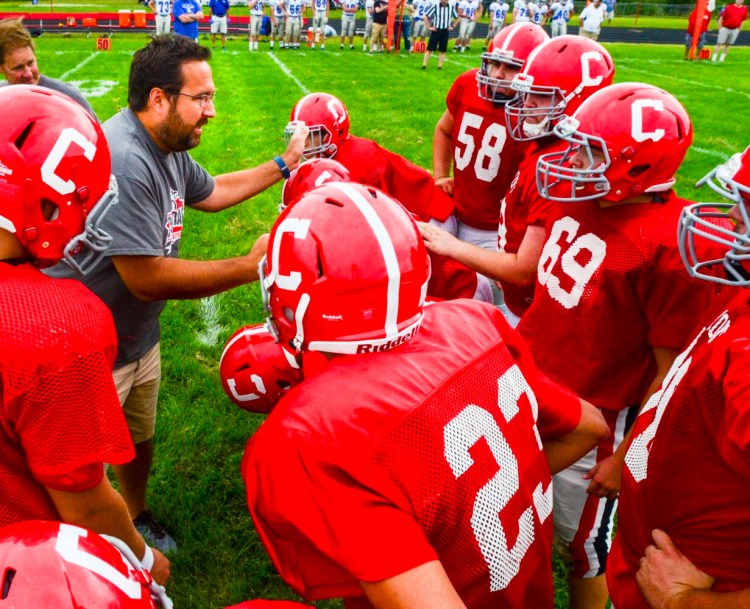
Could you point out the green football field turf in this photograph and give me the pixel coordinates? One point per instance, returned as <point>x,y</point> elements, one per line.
<point>196,489</point>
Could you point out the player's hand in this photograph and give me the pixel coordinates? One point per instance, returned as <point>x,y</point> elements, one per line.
<point>293,153</point>
<point>437,240</point>
<point>605,478</point>
<point>666,573</point>
<point>445,184</point>
<point>160,570</point>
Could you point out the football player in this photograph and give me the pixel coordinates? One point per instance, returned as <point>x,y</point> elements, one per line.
<point>430,488</point>
<point>612,304</point>
<point>471,136</point>
<point>368,163</point>
<point>556,78</point>
<point>684,521</point>
<point>449,279</point>
<point>55,564</point>
<point>498,16</point>
<point>60,418</point>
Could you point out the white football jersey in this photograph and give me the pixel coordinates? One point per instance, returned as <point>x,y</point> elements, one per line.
<point>520,11</point>
<point>294,8</point>
<point>498,11</point>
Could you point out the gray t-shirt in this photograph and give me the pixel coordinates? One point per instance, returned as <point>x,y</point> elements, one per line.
<point>63,87</point>
<point>147,221</point>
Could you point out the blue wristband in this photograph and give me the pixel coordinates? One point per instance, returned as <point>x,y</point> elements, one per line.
<point>282,166</point>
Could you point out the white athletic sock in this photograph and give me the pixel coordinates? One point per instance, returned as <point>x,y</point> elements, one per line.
<point>723,55</point>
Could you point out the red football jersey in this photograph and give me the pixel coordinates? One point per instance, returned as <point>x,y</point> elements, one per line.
<point>383,462</point>
<point>60,417</point>
<point>522,207</point>
<point>485,157</point>
<point>687,469</point>
<point>610,287</point>
<point>409,184</point>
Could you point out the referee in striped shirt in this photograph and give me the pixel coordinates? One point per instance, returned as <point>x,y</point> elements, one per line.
<point>440,20</point>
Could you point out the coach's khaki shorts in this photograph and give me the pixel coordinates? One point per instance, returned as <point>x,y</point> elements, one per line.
<point>590,35</point>
<point>219,25</point>
<point>137,386</point>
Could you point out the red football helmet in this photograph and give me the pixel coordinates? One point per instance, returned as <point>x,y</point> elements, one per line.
<point>309,175</point>
<point>632,148</point>
<point>54,564</point>
<point>255,371</point>
<point>556,78</point>
<point>328,120</point>
<point>511,46</point>
<point>711,221</point>
<point>55,182</point>
<point>346,272</point>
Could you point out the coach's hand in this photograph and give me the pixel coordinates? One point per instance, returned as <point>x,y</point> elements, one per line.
<point>605,477</point>
<point>160,570</point>
<point>296,147</point>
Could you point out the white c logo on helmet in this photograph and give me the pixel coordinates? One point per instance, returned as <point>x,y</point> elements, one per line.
<point>298,227</point>
<point>586,59</point>
<point>639,135</point>
<point>65,139</point>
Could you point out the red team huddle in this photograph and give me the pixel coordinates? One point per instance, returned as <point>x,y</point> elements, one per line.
<point>425,479</point>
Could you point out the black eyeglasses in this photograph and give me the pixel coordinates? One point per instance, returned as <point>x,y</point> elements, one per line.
<point>203,100</point>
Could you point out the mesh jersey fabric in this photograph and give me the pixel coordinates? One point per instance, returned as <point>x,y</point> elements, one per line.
<point>485,157</point>
<point>383,462</point>
<point>610,287</point>
<point>60,418</point>
<point>413,187</point>
<point>522,207</point>
<point>687,469</point>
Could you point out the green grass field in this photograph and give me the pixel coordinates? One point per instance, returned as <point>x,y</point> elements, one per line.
<point>196,488</point>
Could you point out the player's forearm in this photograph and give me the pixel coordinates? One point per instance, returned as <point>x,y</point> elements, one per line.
<point>441,151</point>
<point>706,599</point>
<point>564,451</point>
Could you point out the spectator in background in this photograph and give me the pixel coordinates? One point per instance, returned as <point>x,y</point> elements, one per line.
<point>379,25</point>
<point>691,28</point>
<point>610,4</point>
<point>219,9</point>
<point>498,11</point>
<point>187,14</point>
<point>163,10</point>
<point>730,24</point>
<point>19,63</point>
<point>348,21</point>
<point>440,20</point>
<point>256,21</point>
<point>403,24</point>
<point>157,179</point>
<point>561,11</point>
<point>591,20</point>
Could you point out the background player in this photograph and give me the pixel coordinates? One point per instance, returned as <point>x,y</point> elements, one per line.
<point>451,438</point>
<point>60,419</point>
<point>556,78</point>
<point>612,304</point>
<point>471,137</point>
<point>498,17</point>
<point>694,429</point>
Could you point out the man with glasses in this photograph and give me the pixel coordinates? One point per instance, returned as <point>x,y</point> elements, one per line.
<point>18,63</point>
<point>170,100</point>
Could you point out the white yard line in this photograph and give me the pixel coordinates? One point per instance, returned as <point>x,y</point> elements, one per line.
<point>713,153</point>
<point>78,67</point>
<point>210,315</point>
<point>288,72</point>
<point>692,83</point>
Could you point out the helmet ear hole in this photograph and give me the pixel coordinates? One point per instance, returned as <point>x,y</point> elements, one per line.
<point>288,314</point>
<point>50,210</point>
<point>7,581</point>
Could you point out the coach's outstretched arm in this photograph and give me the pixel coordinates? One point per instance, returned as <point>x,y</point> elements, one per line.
<point>564,451</point>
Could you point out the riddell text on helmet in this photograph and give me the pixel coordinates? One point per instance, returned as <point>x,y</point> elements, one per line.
<point>375,348</point>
